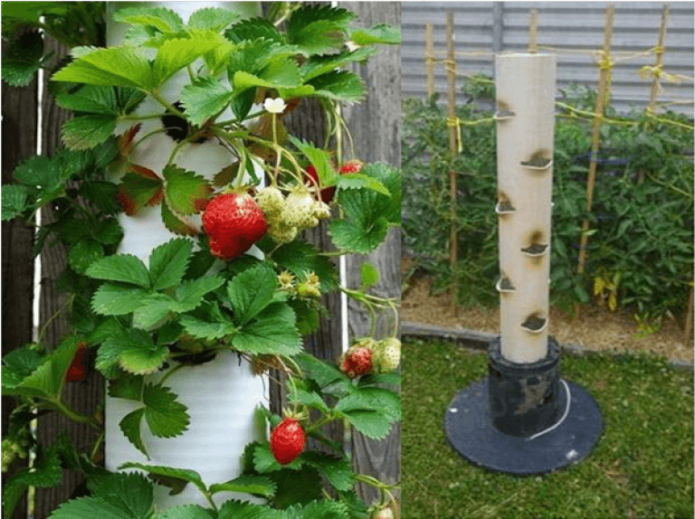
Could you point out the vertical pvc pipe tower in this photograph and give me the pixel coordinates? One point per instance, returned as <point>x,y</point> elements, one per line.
<point>222,396</point>
<point>523,419</point>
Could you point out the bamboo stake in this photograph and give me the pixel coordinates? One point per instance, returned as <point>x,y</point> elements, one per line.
<point>689,320</point>
<point>533,32</point>
<point>429,58</point>
<point>603,93</point>
<point>453,146</point>
<point>659,60</point>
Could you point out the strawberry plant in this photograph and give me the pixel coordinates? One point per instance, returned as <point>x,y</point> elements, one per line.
<point>198,295</point>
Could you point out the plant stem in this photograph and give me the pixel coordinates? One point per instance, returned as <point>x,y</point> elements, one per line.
<point>171,372</point>
<point>75,416</point>
<point>95,450</point>
<point>166,104</point>
<point>140,117</point>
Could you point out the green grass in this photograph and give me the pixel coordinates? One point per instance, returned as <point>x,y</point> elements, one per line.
<point>642,466</point>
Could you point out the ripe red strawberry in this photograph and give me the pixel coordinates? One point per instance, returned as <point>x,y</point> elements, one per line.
<point>287,441</point>
<point>233,222</point>
<point>356,361</point>
<point>77,371</point>
<point>351,166</point>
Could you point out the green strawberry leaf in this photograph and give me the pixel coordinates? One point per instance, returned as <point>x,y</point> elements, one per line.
<point>318,510</point>
<point>87,131</point>
<point>378,34</point>
<point>131,427</point>
<point>169,262</point>
<point>323,373</point>
<point>338,471</point>
<point>152,310</point>
<point>14,201</point>
<point>137,191</point>
<point>264,461</point>
<point>241,510</point>
<point>132,350</point>
<point>256,485</point>
<point>252,291</point>
<point>253,29</point>
<point>319,30</point>
<point>319,65</point>
<point>190,294</point>
<point>372,424</point>
<point>89,508</point>
<point>279,73</point>
<point>39,171</point>
<point>205,98</point>
<point>23,58</point>
<point>125,268</point>
<point>128,387</point>
<point>320,159</point>
<point>110,299</point>
<point>131,492</point>
<point>212,18</point>
<point>159,18</point>
<point>103,195</point>
<point>360,181</point>
<point>177,223</point>
<point>174,54</point>
<point>190,476</point>
<point>301,258</point>
<point>341,86</point>
<point>165,416</point>
<point>115,66</point>
<point>83,254</point>
<point>273,331</point>
<point>200,329</point>
<point>187,512</point>
<point>186,192</point>
<point>19,364</point>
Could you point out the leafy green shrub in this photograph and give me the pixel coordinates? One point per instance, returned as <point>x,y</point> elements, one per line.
<point>640,251</point>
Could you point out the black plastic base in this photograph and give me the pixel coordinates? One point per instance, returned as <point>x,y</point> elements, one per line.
<point>469,429</point>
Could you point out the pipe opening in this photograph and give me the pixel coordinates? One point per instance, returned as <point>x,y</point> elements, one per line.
<point>504,205</point>
<point>540,160</point>
<point>504,285</point>
<point>504,111</point>
<point>535,323</point>
<point>537,245</point>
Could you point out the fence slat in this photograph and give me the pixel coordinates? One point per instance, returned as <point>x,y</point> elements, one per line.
<point>85,396</point>
<point>375,126</point>
<point>429,58</point>
<point>453,147</point>
<point>654,92</point>
<point>19,120</point>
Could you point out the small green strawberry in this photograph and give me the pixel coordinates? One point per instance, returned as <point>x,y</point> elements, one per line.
<point>271,201</point>
<point>299,209</point>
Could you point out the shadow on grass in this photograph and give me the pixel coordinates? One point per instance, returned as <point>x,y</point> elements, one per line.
<point>642,466</point>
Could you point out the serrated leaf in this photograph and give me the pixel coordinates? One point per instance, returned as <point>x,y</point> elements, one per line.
<point>204,99</point>
<point>338,471</point>
<point>280,73</point>
<point>165,416</point>
<point>212,18</point>
<point>360,181</point>
<point>253,29</point>
<point>39,171</point>
<point>87,131</point>
<point>128,387</point>
<point>133,351</point>
<point>264,461</point>
<point>319,30</point>
<point>342,86</point>
<point>319,510</point>
<point>89,508</point>
<point>160,18</point>
<point>372,424</point>
<point>318,65</point>
<point>175,223</point>
<point>131,492</point>
<point>320,159</point>
<point>131,427</point>
<point>103,195</point>
<point>190,294</point>
<point>272,332</point>
<point>186,512</point>
<point>115,66</point>
<point>153,309</point>
<point>19,364</point>
<point>309,399</point>
<point>22,58</point>
<point>378,399</point>
<point>186,192</point>
<point>168,263</point>
<point>252,291</point>
<point>14,201</point>
<point>241,510</point>
<point>206,330</point>
<point>90,99</point>
<point>122,267</point>
<point>378,34</point>
<point>190,476</point>
<point>301,258</point>
<point>177,53</point>
<point>256,485</point>
<point>137,191</point>
<point>323,373</point>
<point>83,254</point>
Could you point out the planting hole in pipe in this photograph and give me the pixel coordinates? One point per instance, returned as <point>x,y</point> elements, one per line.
<point>537,245</point>
<point>504,285</point>
<point>504,111</point>
<point>535,323</point>
<point>539,161</point>
<point>504,205</point>
<point>178,128</point>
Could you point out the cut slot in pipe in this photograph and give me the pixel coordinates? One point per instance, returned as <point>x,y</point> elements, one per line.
<point>504,115</point>
<point>534,323</point>
<point>504,285</point>
<point>539,161</point>
<point>537,249</point>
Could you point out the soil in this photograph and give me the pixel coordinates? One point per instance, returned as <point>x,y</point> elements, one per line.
<point>595,328</point>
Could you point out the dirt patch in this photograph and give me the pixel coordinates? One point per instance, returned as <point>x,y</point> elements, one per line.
<point>595,328</point>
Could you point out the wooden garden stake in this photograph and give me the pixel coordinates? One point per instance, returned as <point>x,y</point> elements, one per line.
<point>659,60</point>
<point>606,70</point>
<point>689,319</point>
<point>429,58</point>
<point>533,32</point>
<point>453,146</point>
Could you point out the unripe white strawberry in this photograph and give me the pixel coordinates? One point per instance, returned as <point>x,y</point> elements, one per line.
<point>281,233</point>
<point>387,355</point>
<point>299,210</point>
<point>384,513</point>
<point>322,210</point>
<point>271,201</point>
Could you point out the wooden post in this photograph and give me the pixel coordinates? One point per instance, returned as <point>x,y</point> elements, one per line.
<point>689,320</point>
<point>453,147</point>
<point>654,93</point>
<point>603,92</point>
<point>533,32</point>
<point>429,58</point>
<point>375,126</point>
<point>526,87</point>
<point>19,120</point>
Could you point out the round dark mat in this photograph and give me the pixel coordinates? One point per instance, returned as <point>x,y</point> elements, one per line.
<point>469,430</point>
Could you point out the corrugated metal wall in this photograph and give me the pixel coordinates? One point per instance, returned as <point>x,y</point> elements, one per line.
<point>488,26</point>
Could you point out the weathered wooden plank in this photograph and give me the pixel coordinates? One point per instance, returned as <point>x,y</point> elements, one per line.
<point>19,120</point>
<point>86,396</point>
<point>375,126</point>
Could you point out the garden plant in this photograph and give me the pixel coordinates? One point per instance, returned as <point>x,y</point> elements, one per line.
<point>640,256</point>
<point>198,295</point>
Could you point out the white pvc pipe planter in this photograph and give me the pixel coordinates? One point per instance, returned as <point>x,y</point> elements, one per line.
<point>221,396</point>
<point>525,115</point>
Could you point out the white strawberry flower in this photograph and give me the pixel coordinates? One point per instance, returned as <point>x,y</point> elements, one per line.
<point>352,46</point>
<point>274,106</point>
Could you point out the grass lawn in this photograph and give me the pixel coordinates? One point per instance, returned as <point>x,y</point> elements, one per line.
<point>642,466</point>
